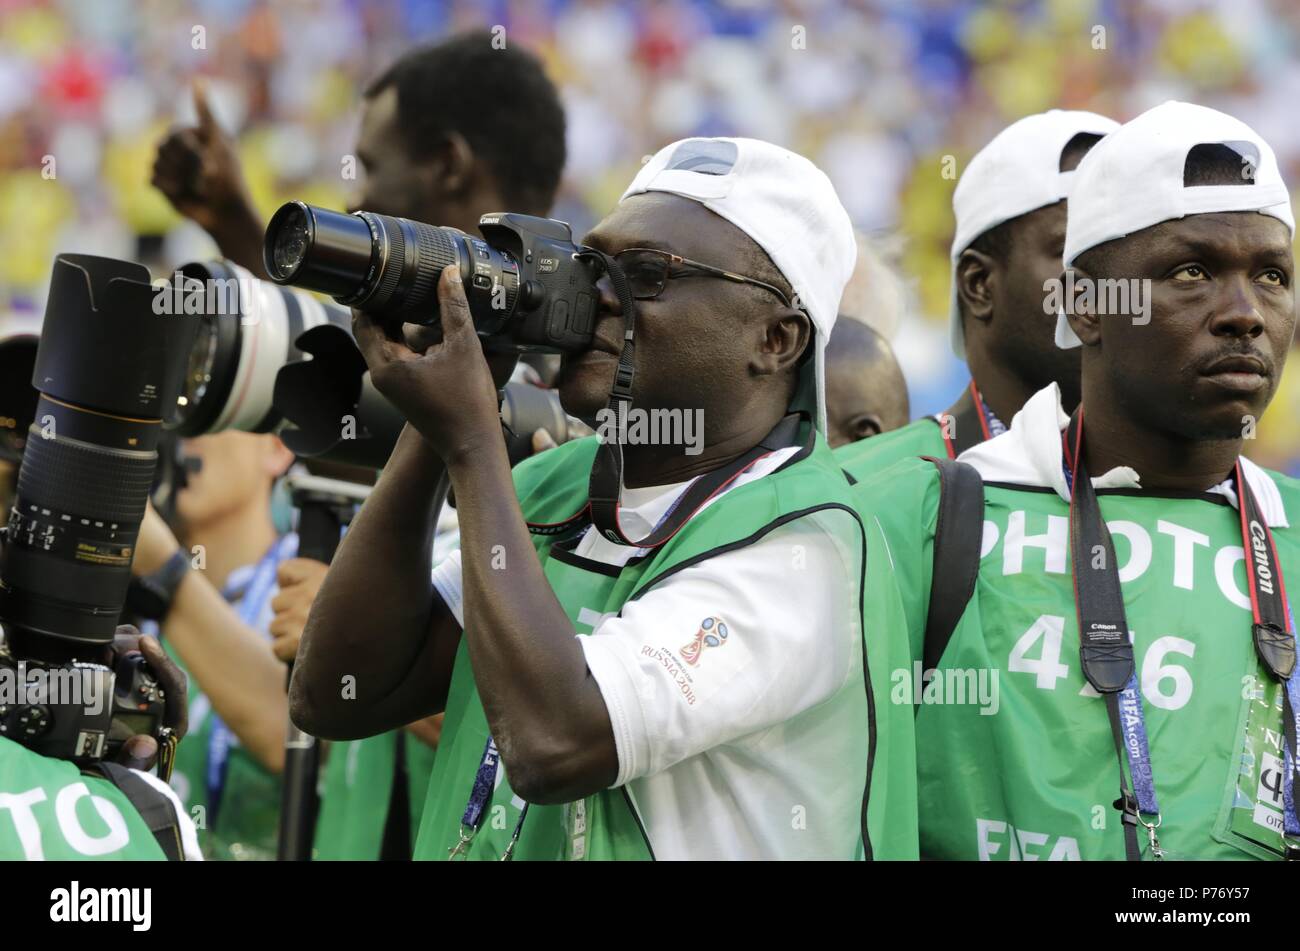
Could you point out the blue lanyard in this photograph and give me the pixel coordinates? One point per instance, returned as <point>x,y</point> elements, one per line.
<point>252,599</point>
<point>995,425</point>
<point>485,780</point>
<point>1290,815</point>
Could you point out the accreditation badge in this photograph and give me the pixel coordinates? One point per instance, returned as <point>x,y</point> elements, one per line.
<point>576,824</point>
<point>1254,816</point>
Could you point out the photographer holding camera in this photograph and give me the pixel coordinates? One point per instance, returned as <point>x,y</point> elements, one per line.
<point>135,814</point>
<point>448,132</point>
<point>643,651</point>
<point>86,705</point>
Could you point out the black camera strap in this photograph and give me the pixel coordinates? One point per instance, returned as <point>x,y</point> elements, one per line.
<point>606,480</point>
<point>154,807</point>
<point>1106,653</point>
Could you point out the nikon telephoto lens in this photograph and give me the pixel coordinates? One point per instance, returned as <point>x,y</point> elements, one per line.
<point>106,368</point>
<point>388,266</point>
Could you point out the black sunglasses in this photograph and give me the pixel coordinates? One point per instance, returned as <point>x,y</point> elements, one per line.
<point>648,271</point>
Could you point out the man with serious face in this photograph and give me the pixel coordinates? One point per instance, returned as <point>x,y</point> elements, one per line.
<point>1130,598</point>
<point>684,675</point>
<point>1010,209</point>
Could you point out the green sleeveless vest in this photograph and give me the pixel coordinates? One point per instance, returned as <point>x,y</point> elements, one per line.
<point>866,457</point>
<point>1015,752</point>
<point>358,789</point>
<point>50,810</point>
<point>551,488</point>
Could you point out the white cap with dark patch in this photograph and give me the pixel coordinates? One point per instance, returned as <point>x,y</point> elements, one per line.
<point>1133,179</point>
<point>786,204</point>
<point>1019,171</point>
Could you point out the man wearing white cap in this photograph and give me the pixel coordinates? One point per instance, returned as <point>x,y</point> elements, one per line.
<point>1130,596</point>
<point>675,669</point>
<point>1010,207</point>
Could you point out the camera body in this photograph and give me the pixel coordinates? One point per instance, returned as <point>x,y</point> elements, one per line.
<point>78,711</point>
<point>529,286</point>
<point>555,310</point>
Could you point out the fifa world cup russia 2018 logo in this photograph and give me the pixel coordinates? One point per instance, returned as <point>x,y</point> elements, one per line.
<point>712,633</point>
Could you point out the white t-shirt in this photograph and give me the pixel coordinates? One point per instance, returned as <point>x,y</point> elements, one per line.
<point>758,750</point>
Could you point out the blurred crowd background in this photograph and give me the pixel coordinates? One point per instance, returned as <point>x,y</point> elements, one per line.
<point>886,95</point>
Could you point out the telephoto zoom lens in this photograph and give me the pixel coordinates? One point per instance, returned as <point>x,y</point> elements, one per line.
<point>106,368</point>
<point>246,331</point>
<point>387,266</point>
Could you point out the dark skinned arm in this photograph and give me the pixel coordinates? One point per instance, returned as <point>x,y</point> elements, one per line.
<point>300,580</point>
<point>543,707</point>
<point>377,617</point>
<point>545,710</point>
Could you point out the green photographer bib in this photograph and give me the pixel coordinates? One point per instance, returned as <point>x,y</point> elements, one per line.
<point>1016,759</point>
<point>864,458</point>
<point>246,822</point>
<point>551,488</point>
<point>50,810</point>
<point>358,790</point>
<point>966,423</point>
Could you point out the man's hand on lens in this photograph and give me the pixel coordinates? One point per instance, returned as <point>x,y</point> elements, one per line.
<point>141,752</point>
<point>446,392</point>
<point>502,363</point>
<point>299,580</point>
<point>154,545</point>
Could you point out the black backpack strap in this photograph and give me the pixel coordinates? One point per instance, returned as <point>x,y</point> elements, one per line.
<point>155,808</point>
<point>958,534</point>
